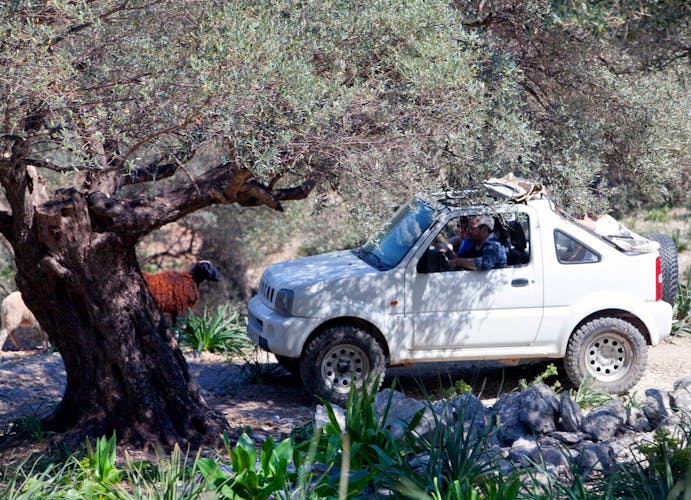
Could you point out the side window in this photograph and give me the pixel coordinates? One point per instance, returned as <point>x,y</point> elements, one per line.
<point>516,239</point>
<point>571,251</point>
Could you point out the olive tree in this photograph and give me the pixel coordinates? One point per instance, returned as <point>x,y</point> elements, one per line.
<point>140,112</point>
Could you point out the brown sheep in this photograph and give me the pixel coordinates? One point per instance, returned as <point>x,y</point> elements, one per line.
<point>175,291</point>
<point>15,314</point>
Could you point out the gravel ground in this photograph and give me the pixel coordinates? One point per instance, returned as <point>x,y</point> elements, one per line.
<point>31,384</point>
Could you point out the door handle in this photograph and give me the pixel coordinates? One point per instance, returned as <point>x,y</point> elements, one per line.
<point>519,282</point>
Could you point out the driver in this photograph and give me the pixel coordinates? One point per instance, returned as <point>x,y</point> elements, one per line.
<point>490,253</point>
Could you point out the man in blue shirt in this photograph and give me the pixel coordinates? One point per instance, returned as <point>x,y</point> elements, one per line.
<point>491,254</point>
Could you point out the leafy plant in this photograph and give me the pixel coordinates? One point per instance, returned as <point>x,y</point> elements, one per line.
<point>368,453</point>
<point>220,331</point>
<point>587,396</point>
<point>459,387</point>
<point>251,478</point>
<point>457,466</point>
<point>258,368</point>
<point>550,371</point>
<point>167,478</point>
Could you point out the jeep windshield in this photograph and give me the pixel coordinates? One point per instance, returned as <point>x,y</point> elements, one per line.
<point>388,247</point>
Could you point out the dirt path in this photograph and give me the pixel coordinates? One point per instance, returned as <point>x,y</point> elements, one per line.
<point>31,384</point>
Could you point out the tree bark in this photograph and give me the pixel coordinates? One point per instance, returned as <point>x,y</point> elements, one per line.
<point>125,372</point>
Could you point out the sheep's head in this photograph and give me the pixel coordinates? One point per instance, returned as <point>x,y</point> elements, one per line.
<point>204,270</point>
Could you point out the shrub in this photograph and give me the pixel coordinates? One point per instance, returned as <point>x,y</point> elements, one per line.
<point>221,331</point>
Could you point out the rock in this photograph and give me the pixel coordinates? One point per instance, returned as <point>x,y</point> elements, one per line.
<point>521,451</point>
<point>538,409</point>
<point>593,457</point>
<point>470,410</point>
<point>553,459</point>
<point>569,437</point>
<point>657,406</point>
<point>636,420</point>
<point>506,409</point>
<point>676,426</point>
<point>321,416</point>
<point>571,413</point>
<point>603,422</point>
<point>680,397</point>
<point>401,413</point>
<point>382,399</point>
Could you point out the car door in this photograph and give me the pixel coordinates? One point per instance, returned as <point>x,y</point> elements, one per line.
<point>472,309</point>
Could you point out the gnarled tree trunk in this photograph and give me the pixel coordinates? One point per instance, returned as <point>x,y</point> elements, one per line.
<point>125,371</point>
<point>78,272</point>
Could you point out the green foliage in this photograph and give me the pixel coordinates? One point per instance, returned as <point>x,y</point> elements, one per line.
<point>658,214</point>
<point>362,460</point>
<point>664,470</point>
<point>679,242</point>
<point>99,465</point>
<point>219,331</point>
<point>550,371</point>
<point>253,476</point>
<point>586,396</point>
<point>458,466</point>
<point>459,387</point>
<point>368,454</point>
<point>681,324</point>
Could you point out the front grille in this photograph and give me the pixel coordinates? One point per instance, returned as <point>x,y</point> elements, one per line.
<point>267,291</point>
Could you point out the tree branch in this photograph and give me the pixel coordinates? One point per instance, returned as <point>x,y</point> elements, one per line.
<point>222,185</point>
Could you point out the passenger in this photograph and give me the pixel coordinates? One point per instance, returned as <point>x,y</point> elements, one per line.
<point>458,245</point>
<point>489,253</point>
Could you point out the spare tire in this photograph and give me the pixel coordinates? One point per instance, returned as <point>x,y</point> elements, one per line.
<point>670,266</point>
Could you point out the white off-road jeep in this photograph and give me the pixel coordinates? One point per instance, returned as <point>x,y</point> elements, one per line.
<point>597,301</point>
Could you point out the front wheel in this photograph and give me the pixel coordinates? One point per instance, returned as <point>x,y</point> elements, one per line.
<point>340,357</point>
<point>610,351</point>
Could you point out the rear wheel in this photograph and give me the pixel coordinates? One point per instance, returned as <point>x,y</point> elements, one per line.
<point>610,351</point>
<point>337,359</point>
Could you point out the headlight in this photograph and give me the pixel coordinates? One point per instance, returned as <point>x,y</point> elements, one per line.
<point>284,302</point>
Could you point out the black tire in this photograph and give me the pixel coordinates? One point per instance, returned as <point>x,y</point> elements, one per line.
<point>290,364</point>
<point>670,267</point>
<point>611,351</point>
<point>336,358</point>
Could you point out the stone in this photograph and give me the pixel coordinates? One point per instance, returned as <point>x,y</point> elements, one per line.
<point>569,438</point>
<point>593,457</point>
<point>657,406</point>
<point>538,409</point>
<point>636,420</point>
<point>401,413</point>
<point>571,413</point>
<point>321,416</point>
<point>511,427</point>
<point>521,451</point>
<point>680,397</point>
<point>552,458</point>
<point>603,422</point>
<point>470,410</point>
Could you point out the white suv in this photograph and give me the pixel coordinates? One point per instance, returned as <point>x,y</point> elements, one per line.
<point>340,318</point>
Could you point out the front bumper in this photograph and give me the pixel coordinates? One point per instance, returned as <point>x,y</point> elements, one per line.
<point>278,334</point>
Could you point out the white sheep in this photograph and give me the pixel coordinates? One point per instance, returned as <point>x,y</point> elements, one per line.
<point>15,314</point>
